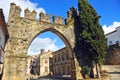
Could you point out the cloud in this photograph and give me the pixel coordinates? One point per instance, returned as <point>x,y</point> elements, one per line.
<point>5,5</point>
<point>42,43</point>
<point>110,28</point>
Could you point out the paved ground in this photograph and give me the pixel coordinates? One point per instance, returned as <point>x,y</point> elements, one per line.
<point>33,77</point>
<point>113,70</point>
<point>47,79</point>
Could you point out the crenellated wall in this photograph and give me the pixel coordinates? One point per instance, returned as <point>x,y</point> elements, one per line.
<point>44,17</point>
<point>70,14</point>
<point>30,15</point>
<point>58,20</point>
<point>15,12</point>
<point>23,30</point>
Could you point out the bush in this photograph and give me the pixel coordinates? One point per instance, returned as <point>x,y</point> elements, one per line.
<point>86,70</point>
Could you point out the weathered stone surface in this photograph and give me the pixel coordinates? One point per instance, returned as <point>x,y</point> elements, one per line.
<point>22,31</point>
<point>113,55</point>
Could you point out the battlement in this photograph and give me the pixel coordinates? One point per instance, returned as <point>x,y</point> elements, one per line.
<point>71,14</point>
<point>58,20</point>
<point>44,17</point>
<point>30,15</point>
<point>16,10</point>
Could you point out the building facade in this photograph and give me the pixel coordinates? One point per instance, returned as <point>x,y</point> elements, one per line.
<point>29,64</point>
<point>51,63</point>
<point>113,37</point>
<point>62,63</point>
<point>45,63</point>
<point>3,39</point>
<point>32,66</point>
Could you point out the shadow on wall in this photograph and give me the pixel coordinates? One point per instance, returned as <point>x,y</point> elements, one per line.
<point>78,45</point>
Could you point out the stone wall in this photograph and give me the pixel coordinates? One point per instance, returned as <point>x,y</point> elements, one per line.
<point>113,55</point>
<point>113,71</point>
<point>23,30</point>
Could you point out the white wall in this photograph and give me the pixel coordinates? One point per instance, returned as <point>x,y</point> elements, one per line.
<point>113,37</point>
<point>2,38</point>
<point>2,42</point>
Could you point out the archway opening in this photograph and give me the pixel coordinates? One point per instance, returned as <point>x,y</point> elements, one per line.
<point>49,54</point>
<point>47,41</point>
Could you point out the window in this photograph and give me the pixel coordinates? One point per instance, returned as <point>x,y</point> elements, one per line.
<point>54,70</point>
<point>117,42</point>
<point>110,42</point>
<point>63,70</point>
<point>63,58</point>
<point>51,61</point>
<point>46,62</point>
<point>46,69</point>
<point>59,70</point>
<point>55,60</point>
<point>33,62</point>
<point>58,58</point>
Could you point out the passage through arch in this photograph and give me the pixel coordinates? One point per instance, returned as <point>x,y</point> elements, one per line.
<point>52,63</point>
<point>23,30</point>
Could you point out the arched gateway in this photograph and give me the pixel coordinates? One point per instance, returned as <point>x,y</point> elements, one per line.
<point>22,30</point>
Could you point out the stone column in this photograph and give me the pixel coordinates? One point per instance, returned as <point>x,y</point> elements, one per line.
<point>9,69</point>
<point>14,68</point>
<point>6,67</point>
<point>21,69</point>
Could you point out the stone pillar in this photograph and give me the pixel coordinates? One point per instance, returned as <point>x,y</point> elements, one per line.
<point>6,67</point>
<point>15,68</point>
<point>9,69</point>
<point>21,69</point>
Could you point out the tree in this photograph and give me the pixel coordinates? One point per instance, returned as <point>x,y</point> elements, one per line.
<point>91,36</point>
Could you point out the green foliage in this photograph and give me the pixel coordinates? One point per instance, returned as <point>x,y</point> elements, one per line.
<point>87,70</point>
<point>91,32</point>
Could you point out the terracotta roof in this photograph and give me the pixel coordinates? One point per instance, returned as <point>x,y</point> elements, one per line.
<point>3,24</point>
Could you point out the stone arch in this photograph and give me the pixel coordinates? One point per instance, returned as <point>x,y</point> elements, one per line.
<point>63,38</point>
<point>19,41</point>
<point>23,30</point>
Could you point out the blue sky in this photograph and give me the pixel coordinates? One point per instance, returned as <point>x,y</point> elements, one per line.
<point>53,36</point>
<point>108,10</point>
